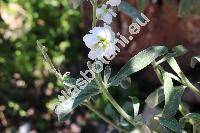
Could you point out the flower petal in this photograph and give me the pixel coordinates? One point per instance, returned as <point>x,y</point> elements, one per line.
<point>114,2</point>
<point>96,53</point>
<point>107,18</point>
<point>90,40</point>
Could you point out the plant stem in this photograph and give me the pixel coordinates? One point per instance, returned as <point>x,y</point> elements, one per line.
<point>157,71</point>
<point>174,65</point>
<point>103,117</point>
<point>94,4</point>
<point>189,84</point>
<point>113,102</point>
<point>48,60</point>
<point>99,81</point>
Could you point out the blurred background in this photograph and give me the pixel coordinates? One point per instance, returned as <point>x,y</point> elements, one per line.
<point>28,91</point>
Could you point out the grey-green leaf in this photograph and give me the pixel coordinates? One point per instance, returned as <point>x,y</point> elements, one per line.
<point>64,108</point>
<point>138,62</point>
<point>172,96</point>
<point>195,117</point>
<point>194,61</point>
<point>155,125</point>
<point>171,123</point>
<point>184,7</point>
<point>130,11</point>
<point>155,97</point>
<point>179,50</point>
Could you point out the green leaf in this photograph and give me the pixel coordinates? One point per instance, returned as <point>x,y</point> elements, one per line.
<point>138,62</point>
<point>142,4</point>
<point>167,130</point>
<point>184,108</point>
<point>155,125</point>
<point>184,7</point>
<point>194,61</point>
<point>141,129</point>
<point>172,96</point>
<point>171,124</point>
<point>76,3</point>
<point>155,97</point>
<point>172,106</point>
<point>174,65</point>
<point>195,117</point>
<point>130,11</point>
<point>179,50</point>
<point>66,106</point>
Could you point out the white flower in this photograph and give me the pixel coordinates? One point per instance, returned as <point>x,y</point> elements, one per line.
<point>101,41</point>
<point>113,2</point>
<point>105,14</point>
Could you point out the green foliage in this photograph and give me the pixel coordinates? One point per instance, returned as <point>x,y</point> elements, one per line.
<point>138,62</point>
<point>57,24</point>
<point>66,106</point>
<point>155,97</point>
<point>129,10</point>
<point>170,124</point>
<point>184,7</point>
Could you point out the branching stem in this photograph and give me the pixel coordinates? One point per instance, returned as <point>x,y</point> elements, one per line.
<point>103,117</point>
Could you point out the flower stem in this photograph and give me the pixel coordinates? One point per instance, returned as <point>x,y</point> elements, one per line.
<point>94,5</point>
<point>113,102</point>
<point>103,117</point>
<point>189,84</point>
<point>99,81</point>
<point>48,60</point>
<point>157,71</point>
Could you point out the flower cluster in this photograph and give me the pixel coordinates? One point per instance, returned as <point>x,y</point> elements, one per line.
<point>101,40</point>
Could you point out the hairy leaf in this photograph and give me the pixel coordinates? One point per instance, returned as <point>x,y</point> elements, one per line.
<point>138,62</point>
<point>155,125</point>
<point>174,65</point>
<point>171,124</point>
<point>171,107</point>
<point>179,50</point>
<point>184,7</point>
<point>195,117</point>
<point>130,11</point>
<point>65,107</point>
<point>155,97</point>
